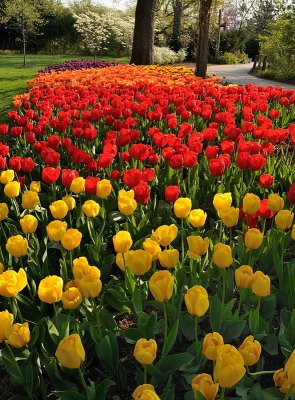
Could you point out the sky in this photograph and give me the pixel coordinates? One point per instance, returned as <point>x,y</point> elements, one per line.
<point>121,4</point>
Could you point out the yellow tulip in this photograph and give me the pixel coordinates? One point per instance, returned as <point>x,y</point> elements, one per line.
<point>222,255</point>
<point>197,218</point>
<point>161,285</point>
<point>50,289</point>
<point>229,368</point>
<point>182,207</point>
<point>222,201</point>
<point>70,352</point>
<point>196,301</point>
<point>145,351</point>
<point>169,258</point>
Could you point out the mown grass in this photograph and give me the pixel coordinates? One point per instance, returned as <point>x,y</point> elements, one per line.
<point>13,76</point>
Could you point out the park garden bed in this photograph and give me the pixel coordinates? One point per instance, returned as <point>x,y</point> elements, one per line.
<point>147,237</point>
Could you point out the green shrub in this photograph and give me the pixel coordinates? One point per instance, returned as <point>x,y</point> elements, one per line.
<point>229,58</point>
<point>279,48</point>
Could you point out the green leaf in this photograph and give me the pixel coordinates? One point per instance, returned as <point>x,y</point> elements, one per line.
<point>12,367</point>
<point>70,395</point>
<point>232,329</point>
<point>102,388</point>
<point>171,338</point>
<point>108,352</point>
<point>216,311</point>
<point>187,326</point>
<point>137,299</point>
<point>174,362</point>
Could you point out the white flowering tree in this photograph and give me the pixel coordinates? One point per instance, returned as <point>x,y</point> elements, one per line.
<point>105,33</point>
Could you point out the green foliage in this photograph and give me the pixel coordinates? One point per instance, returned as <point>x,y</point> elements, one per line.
<point>279,48</point>
<point>230,58</point>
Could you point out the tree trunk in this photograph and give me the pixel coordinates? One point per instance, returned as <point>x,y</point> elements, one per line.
<point>203,38</point>
<point>143,38</point>
<point>177,16</point>
<point>24,34</point>
<point>24,43</point>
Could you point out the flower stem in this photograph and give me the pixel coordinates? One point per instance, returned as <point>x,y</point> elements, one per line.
<point>165,328</point>
<point>82,379</point>
<point>145,374</point>
<point>259,372</point>
<point>196,334</point>
<point>18,310</point>
<point>182,240</point>
<point>223,287</point>
<point>289,392</point>
<point>222,394</point>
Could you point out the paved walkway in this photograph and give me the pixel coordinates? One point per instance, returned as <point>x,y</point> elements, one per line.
<point>239,74</point>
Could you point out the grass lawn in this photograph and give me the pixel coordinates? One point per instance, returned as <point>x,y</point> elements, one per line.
<point>13,76</point>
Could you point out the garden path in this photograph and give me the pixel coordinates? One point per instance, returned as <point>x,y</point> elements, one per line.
<point>239,74</point>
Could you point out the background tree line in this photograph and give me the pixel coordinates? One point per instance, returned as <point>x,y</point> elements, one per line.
<point>229,30</point>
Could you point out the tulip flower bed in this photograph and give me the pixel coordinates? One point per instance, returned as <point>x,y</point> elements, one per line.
<point>73,65</point>
<point>147,238</point>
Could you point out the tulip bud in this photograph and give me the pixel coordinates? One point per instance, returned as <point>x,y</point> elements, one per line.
<point>251,204</point>
<point>12,282</point>
<point>260,284</point>
<point>17,246</point>
<point>122,241</point>
<point>7,176</point>
<point>212,341</point>
<point>229,216</point>
<point>197,246</point>
<point>3,211</point>
<point>126,203</point>
<point>77,185</point>
<point>165,234</point>
<point>103,188</point>
<point>70,202</point>
<point>30,200</point>
<point>145,392</point>
<point>35,186</point>
<point>222,255</point>
<point>12,189</point>
<point>284,219</point>
<point>50,289</point>
<point>29,224</point>
<point>203,383</point>
<point>169,258</point>
<point>152,247</point>
<point>70,352</point>
<point>71,239</point>
<point>58,209</point>
<point>19,335</point>
<point>91,208</point>
<point>222,201</point>
<point>81,267</point>
<point>197,218</point>
<point>275,202</point>
<point>90,284</point>
<point>182,207</point>
<point>253,238</point>
<point>196,301</point>
<point>161,285</point>
<point>139,261</point>
<point>6,321</point>
<point>250,350</point>
<point>229,368</point>
<point>145,351</point>
<point>71,299</point>
<point>55,229</point>
<point>243,276</point>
